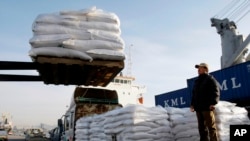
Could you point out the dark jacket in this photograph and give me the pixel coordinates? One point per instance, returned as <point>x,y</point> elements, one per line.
<point>205,92</point>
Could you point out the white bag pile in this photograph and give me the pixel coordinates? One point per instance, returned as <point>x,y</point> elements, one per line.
<point>227,114</point>
<point>140,123</point>
<point>96,131</point>
<point>91,129</point>
<point>131,123</point>
<point>184,124</point>
<point>85,34</point>
<point>82,129</point>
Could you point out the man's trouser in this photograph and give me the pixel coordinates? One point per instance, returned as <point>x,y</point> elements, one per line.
<point>207,126</point>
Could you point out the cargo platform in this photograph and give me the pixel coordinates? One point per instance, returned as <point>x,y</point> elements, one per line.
<point>65,71</point>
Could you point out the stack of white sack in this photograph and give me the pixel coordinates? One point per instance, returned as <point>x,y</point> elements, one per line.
<point>138,123</point>
<point>82,129</point>
<point>85,34</point>
<point>184,124</point>
<point>130,123</point>
<point>96,130</point>
<point>91,129</point>
<point>227,114</point>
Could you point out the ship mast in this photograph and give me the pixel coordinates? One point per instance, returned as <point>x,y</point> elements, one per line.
<point>129,61</point>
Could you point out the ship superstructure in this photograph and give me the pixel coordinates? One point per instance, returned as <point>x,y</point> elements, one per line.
<point>128,91</point>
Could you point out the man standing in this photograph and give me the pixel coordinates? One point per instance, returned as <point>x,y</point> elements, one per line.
<point>205,96</point>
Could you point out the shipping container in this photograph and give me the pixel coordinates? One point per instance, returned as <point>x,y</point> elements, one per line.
<point>234,83</point>
<point>178,98</point>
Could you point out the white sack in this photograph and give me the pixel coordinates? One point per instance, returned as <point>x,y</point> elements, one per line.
<point>92,25</point>
<point>225,104</point>
<point>80,12</point>
<point>185,127</point>
<point>139,135</point>
<point>48,40</point>
<point>160,129</point>
<point>163,122</point>
<point>94,14</point>
<point>82,131</point>
<point>59,52</point>
<point>79,25</point>
<point>85,45</point>
<point>174,111</point>
<point>55,18</point>
<point>135,129</point>
<point>239,110</point>
<point>44,29</point>
<point>107,36</point>
<point>82,125</point>
<point>106,54</point>
<point>188,133</point>
<point>51,18</point>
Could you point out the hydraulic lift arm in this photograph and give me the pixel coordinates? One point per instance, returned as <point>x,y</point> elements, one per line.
<point>66,71</point>
<point>13,65</point>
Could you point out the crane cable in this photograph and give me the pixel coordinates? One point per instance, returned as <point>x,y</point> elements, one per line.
<point>242,16</point>
<point>235,9</point>
<point>239,10</point>
<point>224,11</point>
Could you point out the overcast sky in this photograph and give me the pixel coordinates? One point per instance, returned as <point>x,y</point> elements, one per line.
<point>168,36</point>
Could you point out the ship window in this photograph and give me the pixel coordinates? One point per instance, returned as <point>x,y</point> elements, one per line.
<point>121,81</point>
<point>125,81</point>
<point>116,80</point>
<point>71,119</point>
<point>67,121</point>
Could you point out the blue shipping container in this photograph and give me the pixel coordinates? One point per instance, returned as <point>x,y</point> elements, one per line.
<point>234,82</point>
<point>179,98</point>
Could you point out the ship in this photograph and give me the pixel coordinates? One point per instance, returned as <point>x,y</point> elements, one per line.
<point>6,123</point>
<point>129,92</point>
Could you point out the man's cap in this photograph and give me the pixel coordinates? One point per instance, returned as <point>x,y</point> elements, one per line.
<point>202,65</point>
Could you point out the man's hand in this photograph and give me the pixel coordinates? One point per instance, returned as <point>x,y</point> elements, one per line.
<point>191,108</point>
<point>211,107</point>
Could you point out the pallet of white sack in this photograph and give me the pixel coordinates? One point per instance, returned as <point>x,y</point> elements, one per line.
<point>72,71</point>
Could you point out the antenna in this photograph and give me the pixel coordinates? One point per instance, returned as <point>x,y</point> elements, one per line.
<point>129,62</point>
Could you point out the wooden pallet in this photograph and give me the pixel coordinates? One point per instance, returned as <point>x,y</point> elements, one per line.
<point>68,71</point>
